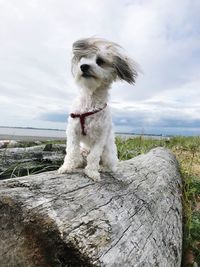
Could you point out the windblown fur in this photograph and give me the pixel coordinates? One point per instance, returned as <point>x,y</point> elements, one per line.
<point>96,63</point>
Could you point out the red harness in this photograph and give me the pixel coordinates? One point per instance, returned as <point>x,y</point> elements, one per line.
<point>83,116</point>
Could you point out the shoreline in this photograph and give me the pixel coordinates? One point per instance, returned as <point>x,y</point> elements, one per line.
<point>28,138</point>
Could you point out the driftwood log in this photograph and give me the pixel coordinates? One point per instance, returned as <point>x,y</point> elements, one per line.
<point>131,218</point>
<point>20,161</point>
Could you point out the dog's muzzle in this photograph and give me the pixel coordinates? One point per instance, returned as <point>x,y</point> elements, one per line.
<point>85,68</point>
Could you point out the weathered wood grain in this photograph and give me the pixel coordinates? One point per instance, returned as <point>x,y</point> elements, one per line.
<point>131,218</point>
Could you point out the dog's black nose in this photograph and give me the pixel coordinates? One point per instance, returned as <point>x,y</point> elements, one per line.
<point>85,67</point>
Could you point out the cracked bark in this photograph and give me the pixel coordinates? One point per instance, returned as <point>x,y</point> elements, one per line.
<point>130,218</point>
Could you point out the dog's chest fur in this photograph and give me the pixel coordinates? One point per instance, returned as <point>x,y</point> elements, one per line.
<point>96,123</point>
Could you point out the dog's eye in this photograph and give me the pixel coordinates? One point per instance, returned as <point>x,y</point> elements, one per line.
<point>100,61</point>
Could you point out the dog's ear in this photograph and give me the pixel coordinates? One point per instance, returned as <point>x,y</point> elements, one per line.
<point>125,69</point>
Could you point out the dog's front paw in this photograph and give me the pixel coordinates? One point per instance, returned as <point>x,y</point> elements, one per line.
<point>65,169</point>
<point>105,168</point>
<point>93,174</point>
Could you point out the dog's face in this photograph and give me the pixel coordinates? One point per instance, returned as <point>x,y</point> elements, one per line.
<point>98,63</point>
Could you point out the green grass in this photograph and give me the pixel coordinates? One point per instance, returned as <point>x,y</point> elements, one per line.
<point>132,147</point>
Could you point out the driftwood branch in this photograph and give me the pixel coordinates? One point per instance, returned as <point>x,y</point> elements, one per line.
<point>20,161</point>
<point>130,218</point>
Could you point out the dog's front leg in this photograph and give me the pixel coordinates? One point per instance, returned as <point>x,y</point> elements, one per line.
<point>73,158</point>
<point>91,170</point>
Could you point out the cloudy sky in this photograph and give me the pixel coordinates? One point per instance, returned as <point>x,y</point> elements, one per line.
<point>36,85</point>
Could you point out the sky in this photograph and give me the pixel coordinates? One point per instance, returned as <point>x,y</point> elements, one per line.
<point>36,84</point>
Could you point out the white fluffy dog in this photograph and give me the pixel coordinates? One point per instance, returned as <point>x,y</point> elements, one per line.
<point>96,64</point>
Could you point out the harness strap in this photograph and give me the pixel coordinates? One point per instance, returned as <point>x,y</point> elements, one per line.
<point>83,116</point>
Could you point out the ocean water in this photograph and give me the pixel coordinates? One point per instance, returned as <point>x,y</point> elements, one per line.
<point>31,132</point>
<point>43,134</point>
